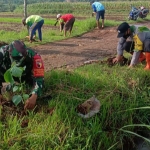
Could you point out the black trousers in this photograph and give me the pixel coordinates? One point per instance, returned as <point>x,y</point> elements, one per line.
<point>129,46</point>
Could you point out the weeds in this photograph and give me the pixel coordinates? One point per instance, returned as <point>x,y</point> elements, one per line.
<point>122,115</point>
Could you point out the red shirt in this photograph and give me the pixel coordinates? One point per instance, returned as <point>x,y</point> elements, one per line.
<point>66,17</point>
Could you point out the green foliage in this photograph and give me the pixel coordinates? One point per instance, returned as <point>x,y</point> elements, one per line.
<point>9,75</point>
<point>77,8</point>
<point>124,111</point>
<point>81,8</point>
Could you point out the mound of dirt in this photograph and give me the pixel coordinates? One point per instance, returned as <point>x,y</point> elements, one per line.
<point>125,61</point>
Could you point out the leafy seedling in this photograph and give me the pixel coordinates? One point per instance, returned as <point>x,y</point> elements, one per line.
<point>10,74</point>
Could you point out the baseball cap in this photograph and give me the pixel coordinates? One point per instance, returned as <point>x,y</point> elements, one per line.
<point>122,28</point>
<point>58,16</point>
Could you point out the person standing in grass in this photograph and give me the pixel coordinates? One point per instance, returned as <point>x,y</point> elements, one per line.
<point>34,22</point>
<point>33,75</point>
<point>66,22</point>
<point>99,10</point>
<point>138,42</point>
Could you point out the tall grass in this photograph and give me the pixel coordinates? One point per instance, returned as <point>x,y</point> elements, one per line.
<point>122,114</point>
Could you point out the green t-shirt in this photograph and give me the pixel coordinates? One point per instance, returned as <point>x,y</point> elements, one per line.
<point>33,19</point>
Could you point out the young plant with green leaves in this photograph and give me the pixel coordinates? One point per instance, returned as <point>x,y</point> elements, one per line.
<point>17,88</point>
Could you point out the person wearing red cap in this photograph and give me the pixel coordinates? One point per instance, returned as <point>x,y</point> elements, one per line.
<point>139,42</point>
<point>66,21</point>
<point>33,74</point>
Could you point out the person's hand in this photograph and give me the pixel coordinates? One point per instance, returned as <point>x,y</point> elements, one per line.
<point>30,102</point>
<point>117,59</point>
<point>131,66</point>
<point>28,37</point>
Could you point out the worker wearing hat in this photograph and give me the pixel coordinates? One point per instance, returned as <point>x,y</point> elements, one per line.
<point>138,42</point>
<point>33,75</point>
<point>66,22</point>
<point>34,22</point>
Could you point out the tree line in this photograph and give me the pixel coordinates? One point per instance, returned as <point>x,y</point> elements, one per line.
<point>10,5</point>
<point>19,2</point>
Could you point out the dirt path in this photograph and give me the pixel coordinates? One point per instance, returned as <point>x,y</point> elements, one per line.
<point>73,52</point>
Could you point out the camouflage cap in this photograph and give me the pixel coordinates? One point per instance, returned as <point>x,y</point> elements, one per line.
<point>17,48</point>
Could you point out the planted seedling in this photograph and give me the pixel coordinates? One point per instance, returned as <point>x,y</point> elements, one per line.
<point>17,88</point>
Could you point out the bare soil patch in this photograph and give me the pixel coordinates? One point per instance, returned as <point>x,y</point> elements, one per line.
<point>74,52</point>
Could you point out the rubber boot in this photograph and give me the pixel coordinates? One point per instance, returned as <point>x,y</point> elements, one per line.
<point>147,61</point>
<point>142,57</point>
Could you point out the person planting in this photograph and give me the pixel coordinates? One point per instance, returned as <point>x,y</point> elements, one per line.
<point>33,74</point>
<point>139,42</point>
<point>99,10</point>
<point>66,22</point>
<point>34,22</point>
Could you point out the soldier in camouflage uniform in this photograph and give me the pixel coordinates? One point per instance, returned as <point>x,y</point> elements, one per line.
<point>33,74</point>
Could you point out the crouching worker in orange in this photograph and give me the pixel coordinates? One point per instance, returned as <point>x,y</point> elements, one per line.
<point>139,42</point>
<point>33,75</point>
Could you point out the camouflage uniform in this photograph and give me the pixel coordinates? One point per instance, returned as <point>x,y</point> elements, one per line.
<point>33,74</point>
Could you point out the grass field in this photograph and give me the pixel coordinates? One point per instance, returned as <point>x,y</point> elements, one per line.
<point>124,113</point>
